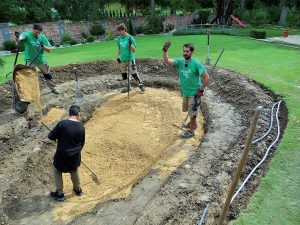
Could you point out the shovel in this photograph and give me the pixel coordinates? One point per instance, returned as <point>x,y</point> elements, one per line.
<point>79,96</point>
<point>128,69</point>
<point>94,176</point>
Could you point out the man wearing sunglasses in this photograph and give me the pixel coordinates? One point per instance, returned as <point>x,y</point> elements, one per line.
<point>193,79</point>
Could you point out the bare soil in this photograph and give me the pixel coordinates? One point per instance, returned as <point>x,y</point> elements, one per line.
<point>172,187</point>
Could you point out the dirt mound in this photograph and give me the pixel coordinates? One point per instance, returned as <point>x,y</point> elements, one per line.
<point>192,177</point>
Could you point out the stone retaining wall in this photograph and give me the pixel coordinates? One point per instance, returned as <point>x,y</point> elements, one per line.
<point>54,30</point>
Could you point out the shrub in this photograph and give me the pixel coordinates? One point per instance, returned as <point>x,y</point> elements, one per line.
<point>155,25</point>
<point>84,35</point>
<point>202,16</point>
<point>51,42</point>
<point>168,27</point>
<point>140,29</point>
<point>97,30</point>
<point>273,14</point>
<point>258,34</point>
<point>247,16</point>
<point>109,35</point>
<point>259,17</point>
<point>66,38</point>
<point>90,38</point>
<point>9,45</point>
<point>73,42</point>
<point>293,19</point>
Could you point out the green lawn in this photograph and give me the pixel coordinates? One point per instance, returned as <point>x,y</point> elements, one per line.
<point>277,67</point>
<point>237,31</point>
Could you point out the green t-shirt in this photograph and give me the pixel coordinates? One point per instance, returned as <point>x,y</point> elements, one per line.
<point>190,76</point>
<point>123,44</point>
<point>33,45</point>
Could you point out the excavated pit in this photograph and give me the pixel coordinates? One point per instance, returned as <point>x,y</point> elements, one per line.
<point>159,179</point>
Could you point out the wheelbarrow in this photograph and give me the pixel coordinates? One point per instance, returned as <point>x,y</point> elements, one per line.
<point>20,104</point>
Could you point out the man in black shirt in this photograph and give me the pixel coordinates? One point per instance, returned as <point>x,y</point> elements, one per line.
<point>70,136</point>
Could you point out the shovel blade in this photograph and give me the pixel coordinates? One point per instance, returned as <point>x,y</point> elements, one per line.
<point>80,98</point>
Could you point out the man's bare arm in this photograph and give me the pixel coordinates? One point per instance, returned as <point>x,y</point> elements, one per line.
<point>47,49</point>
<point>205,79</point>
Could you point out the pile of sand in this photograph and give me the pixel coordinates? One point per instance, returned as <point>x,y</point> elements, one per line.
<point>125,139</point>
<point>27,84</point>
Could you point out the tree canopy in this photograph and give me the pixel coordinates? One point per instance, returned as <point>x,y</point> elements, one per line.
<point>23,11</point>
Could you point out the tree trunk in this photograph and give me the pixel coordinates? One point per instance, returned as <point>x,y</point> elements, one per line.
<point>173,11</point>
<point>242,6</point>
<point>284,12</point>
<point>281,3</point>
<point>152,7</point>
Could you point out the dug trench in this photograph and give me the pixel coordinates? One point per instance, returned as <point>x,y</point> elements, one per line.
<point>147,174</point>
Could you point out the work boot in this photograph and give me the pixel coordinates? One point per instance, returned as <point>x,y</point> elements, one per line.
<point>78,192</point>
<point>141,87</point>
<point>187,134</point>
<point>55,91</point>
<point>125,90</point>
<point>57,197</point>
<point>52,86</point>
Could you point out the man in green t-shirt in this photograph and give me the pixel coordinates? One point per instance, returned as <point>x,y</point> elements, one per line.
<point>35,44</point>
<point>193,79</point>
<point>126,57</point>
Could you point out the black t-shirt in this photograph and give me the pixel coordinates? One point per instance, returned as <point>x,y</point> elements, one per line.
<point>71,138</point>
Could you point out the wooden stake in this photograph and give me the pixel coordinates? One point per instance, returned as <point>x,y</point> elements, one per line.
<point>241,164</point>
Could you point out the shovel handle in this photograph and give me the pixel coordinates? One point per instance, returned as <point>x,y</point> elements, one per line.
<point>45,126</point>
<point>75,72</point>
<point>217,60</point>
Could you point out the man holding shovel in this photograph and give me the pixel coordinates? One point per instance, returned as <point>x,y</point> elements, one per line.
<point>35,44</point>
<point>193,79</point>
<point>70,136</point>
<point>126,57</point>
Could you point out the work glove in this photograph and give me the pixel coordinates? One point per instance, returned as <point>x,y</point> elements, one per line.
<point>199,93</point>
<point>118,60</point>
<point>130,41</point>
<point>167,45</point>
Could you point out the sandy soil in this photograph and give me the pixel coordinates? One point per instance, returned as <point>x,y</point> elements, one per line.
<point>124,140</point>
<point>173,179</point>
<point>27,86</point>
<point>53,116</point>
